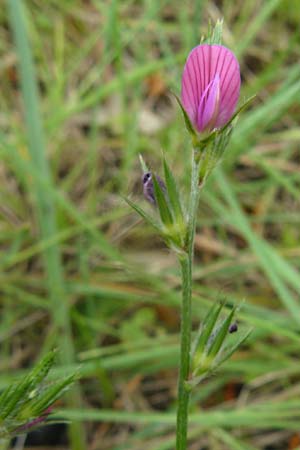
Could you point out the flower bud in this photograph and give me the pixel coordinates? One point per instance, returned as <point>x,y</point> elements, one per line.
<point>210,86</point>
<point>148,187</point>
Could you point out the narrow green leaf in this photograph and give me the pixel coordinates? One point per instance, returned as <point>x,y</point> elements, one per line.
<point>40,371</point>
<point>28,399</point>
<point>230,350</point>
<point>207,327</point>
<point>265,415</point>
<point>173,194</point>
<point>221,335</point>
<point>6,393</point>
<point>143,164</point>
<point>214,35</point>
<point>188,123</point>
<point>226,353</point>
<point>239,110</point>
<point>51,394</point>
<point>144,215</point>
<point>163,207</point>
<point>19,392</point>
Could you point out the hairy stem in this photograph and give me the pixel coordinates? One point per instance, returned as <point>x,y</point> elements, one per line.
<point>186,263</point>
<point>183,393</point>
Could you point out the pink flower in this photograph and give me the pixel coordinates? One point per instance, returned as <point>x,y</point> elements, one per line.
<point>210,86</point>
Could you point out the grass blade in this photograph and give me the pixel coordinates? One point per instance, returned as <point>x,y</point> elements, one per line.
<point>44,205</point>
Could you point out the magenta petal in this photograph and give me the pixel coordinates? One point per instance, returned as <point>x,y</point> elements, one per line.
<point>209,105</point>
<point>205,64</point>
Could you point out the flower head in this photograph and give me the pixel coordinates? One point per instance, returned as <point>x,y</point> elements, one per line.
<point>210,86</point>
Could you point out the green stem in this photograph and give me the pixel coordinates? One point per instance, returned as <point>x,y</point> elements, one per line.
<point>183,393</point>
<point>186,263</point>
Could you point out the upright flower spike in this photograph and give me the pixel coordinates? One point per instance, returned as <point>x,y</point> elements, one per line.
<point>210,86</point>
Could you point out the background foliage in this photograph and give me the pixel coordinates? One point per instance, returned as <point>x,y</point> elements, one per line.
<point>86,275</point>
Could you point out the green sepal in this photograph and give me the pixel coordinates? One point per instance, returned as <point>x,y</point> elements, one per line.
<point>230,349</point>
<point>217,362</point>
<point>205,331</point>
<point>144,215</point>
<point>220,335</point>
<point>209,158</point>
<point>172,232</point>
<point>214,35</point>
<point>213,344</point>
<point>174,196</point>
<point>202,142</point>
<point>191,130</point>
<point>143,164</point>
<point>162,203</point>
<point>238,111</point>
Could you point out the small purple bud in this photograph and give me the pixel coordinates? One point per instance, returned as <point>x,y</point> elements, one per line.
<point>233,328</point>
<point>210,86</point>
<point>148,187</point>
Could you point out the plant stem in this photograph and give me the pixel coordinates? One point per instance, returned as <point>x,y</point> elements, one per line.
<point>186,263</point>
<point>183,393</point>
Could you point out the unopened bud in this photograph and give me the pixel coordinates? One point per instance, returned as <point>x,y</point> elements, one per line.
<point>148,187</point>
<point>233,327</point>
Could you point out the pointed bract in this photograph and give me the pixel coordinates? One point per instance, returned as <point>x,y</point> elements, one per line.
<point>210,86</point>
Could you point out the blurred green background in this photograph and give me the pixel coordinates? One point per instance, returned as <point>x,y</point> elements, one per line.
<point>81,272</point>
